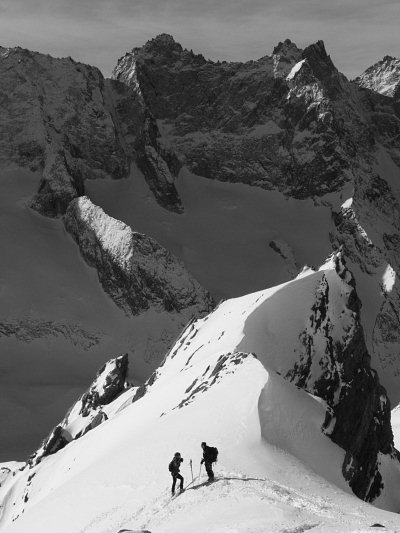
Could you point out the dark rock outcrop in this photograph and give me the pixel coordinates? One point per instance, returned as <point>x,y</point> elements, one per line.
<point>110,381</point>
<point>87,413</point>
<point>339,372</point>
<point>159,165</point>
<point>57,440</point>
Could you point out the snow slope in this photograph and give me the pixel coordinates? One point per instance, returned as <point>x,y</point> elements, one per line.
<point>209,388</point>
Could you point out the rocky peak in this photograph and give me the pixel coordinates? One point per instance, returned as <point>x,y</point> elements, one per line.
<point>323,68</point>
<point>164,50</point>
<point>237,121</point>
<point>161,44</point>
<point>285,55</point>
<point>284,47</point>
<point>383,77</point>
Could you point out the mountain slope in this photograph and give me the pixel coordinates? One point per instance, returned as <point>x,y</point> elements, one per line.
<point>221,383</point>
<point>245,172</point>
<point>288,122</point>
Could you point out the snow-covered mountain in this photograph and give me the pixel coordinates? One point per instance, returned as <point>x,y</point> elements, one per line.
<point>288,122</point>
<point>117,195</point>
<point>233,378</point>
<point>383,77</point>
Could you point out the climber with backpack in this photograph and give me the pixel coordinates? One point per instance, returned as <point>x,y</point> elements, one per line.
<point>174,467</point>
<point>210,456</point>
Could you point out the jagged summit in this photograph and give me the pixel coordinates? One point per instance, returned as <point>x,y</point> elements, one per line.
<point>323,69</point>
<point>164,49</point>
<point>388,58</point>
<point>163,39</point>
<point>241,111</point>
<point>283,46</point>
<point>161,44</point>
<point>382,77</point>
<point>285,55</point>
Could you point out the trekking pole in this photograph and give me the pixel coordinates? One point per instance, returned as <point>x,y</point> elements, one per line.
<point>191,469</point>
<point>201,464</point>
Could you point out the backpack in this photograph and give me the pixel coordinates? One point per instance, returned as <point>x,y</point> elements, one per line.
<point>171,466</point>
<point>213,454</point>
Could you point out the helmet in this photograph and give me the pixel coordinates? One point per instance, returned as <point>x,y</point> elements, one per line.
<point>177,454</point>
<point>203,444</point>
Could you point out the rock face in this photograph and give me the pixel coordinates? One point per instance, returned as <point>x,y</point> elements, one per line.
<point>133,269</point>
<point>275,122</point>
<point>57,440</point>
<point>109,382</point>
<point>366,234</point>
<point>56,117</point>
<point>337,368</point>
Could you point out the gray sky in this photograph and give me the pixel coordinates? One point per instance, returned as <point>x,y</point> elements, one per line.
<point>356,32</point>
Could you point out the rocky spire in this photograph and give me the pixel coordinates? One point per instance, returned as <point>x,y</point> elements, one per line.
<point>285,55</point>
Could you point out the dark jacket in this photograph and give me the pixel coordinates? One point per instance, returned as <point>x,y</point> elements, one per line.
<point>175,465</point>
<point>208,456</point>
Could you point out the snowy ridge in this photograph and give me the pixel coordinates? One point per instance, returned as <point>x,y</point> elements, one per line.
<point>230,363</point>
<point>133,269</point>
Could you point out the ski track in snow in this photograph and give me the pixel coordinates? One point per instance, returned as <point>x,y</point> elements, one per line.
<point>253,505</point>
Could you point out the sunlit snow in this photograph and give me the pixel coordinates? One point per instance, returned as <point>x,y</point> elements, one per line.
<point>295,69</point>
<point>388,279</point>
